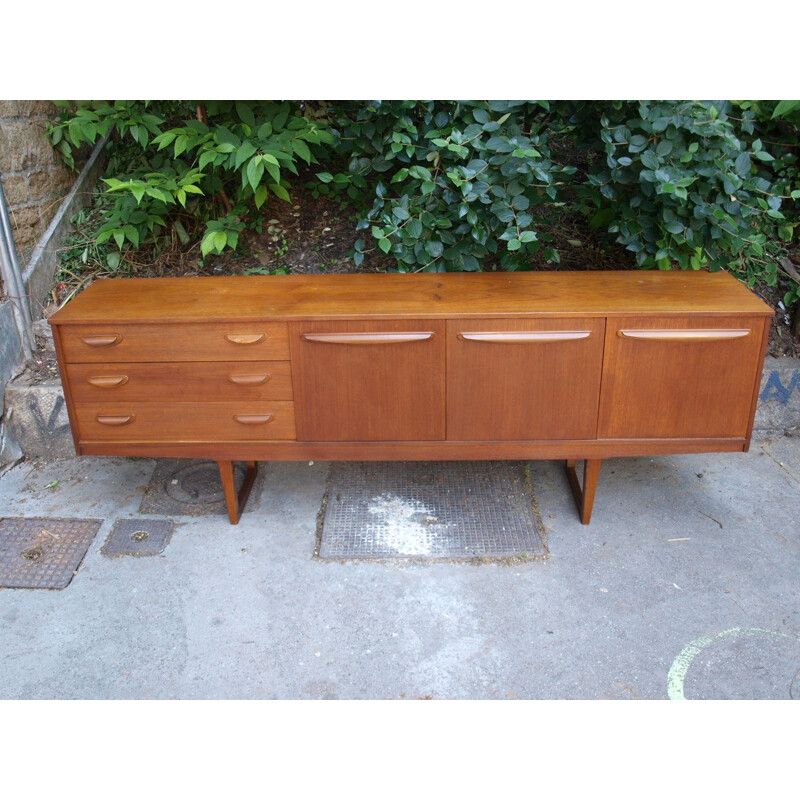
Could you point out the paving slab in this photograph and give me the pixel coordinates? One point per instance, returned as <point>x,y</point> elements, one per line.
<point>684,585</point>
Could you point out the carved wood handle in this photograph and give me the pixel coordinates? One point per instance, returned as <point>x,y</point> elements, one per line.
<point>105,340</point>
<point>252,419</point>
<point>524,337</point>
<point>245,338</point>
<point>116,420</point>
<point>390,337</point>
<point>107,381</point>
<point>687,335</point>
<point>248,380</point>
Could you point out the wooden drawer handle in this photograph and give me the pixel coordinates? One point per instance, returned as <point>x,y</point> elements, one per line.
<point>116,420</point>
<point>102,341</point>
<point>245,338</point>
<point>253,419</point>
<point>248,380</point>
<point>698,335</point>
<point>367,338</point>
<point>107,381</point>
<point>524,337</point>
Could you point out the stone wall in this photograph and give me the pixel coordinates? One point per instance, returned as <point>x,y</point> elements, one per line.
<point>35,180</point>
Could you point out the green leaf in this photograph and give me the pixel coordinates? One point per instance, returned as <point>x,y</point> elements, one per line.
<point>400,212</point>
<point>243,153</point>
<point>220,240</point>
<point>527,236</point>
<point>325,177</point>
<point>414,228</point>
<point>428,187</point>
<point>433,248</point>
<point>260,195</point>
<point>649,159</point>
<point>279,191</point>
<point>274,171</point>
<point>601,218</point>
<point>743,165</point>
<point>385,245</point>
<point>785,107</point>
<point>301,148</point>
<point>514,244</point>
<point>245,113</point>
<point>254,172</point>
<point>400,175</point>
<point>664,148</point>
<point>119,238</point>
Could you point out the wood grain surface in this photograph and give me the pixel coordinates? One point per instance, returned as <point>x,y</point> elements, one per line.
<point>363,296</point>
<point>389,390</point>
<point>523,388</point>
<point>654,388</point>
<point>181,381</point>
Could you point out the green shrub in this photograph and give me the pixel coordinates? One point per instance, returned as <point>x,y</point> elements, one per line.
<point>447,185</point>
<point>216,161</point>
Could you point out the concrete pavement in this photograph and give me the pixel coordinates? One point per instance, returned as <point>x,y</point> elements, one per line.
<point>684,585</point>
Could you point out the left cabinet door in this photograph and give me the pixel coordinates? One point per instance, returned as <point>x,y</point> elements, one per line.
<point>368,381</point>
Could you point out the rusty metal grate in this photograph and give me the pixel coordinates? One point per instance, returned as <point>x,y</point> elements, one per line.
<point>42,552</point>
<point>450,509</point>
<point>179,487</point>
<point>138,537</point>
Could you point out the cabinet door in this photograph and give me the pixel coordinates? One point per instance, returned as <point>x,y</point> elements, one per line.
<point>523,379</point>
<point>679,377</point>
<point>368,381</point>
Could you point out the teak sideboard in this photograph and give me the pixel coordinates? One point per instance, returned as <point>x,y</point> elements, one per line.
<point>527,365</point>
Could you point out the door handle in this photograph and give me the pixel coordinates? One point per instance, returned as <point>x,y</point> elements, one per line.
<point>102,340</point>
<point>107,381</point>
<point>524,337</point>
<point>252,419</point>
<point>245,338</point>
<point>389,337</point>
<point>688,335</point>
<point>248,380</point>
<point>115,419</point>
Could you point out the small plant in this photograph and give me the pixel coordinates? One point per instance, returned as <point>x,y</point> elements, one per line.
<point>217,161</point>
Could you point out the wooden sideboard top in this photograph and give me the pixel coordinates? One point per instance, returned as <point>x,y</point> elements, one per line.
<point>424,295</point>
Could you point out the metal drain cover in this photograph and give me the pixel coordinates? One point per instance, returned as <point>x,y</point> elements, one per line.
<point>41,552</point>
<point>449,509</point>
<point>138,537</point>
<point>192,488</point>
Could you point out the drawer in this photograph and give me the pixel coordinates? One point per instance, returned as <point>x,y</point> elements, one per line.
<point>183,380</point>
<point>185,422</point>
<point>679,377</point>
<point>180,342</point>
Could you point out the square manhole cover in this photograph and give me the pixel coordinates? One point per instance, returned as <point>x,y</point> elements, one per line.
<point>41,552</point>
<point>180,487</point>
<point>138,537</point>
<point>449,509</point>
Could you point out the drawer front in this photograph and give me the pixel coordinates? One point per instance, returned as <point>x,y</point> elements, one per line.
<point>679,377</point>
<point>185,342</point>
<point>523,379</point>
<point>185,422</point>
<point>183,380</point>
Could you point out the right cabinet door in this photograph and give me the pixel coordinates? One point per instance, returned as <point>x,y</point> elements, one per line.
<point>523,379</point>
<point>679,377</point>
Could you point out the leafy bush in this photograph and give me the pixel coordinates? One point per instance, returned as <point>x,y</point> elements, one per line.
<point>217,160</point>
<point>467,185</point>
<point>448,184</point>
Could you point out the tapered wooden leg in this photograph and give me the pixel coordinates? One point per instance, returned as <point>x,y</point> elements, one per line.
<point>234,501</point>
<point>584,497</point>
